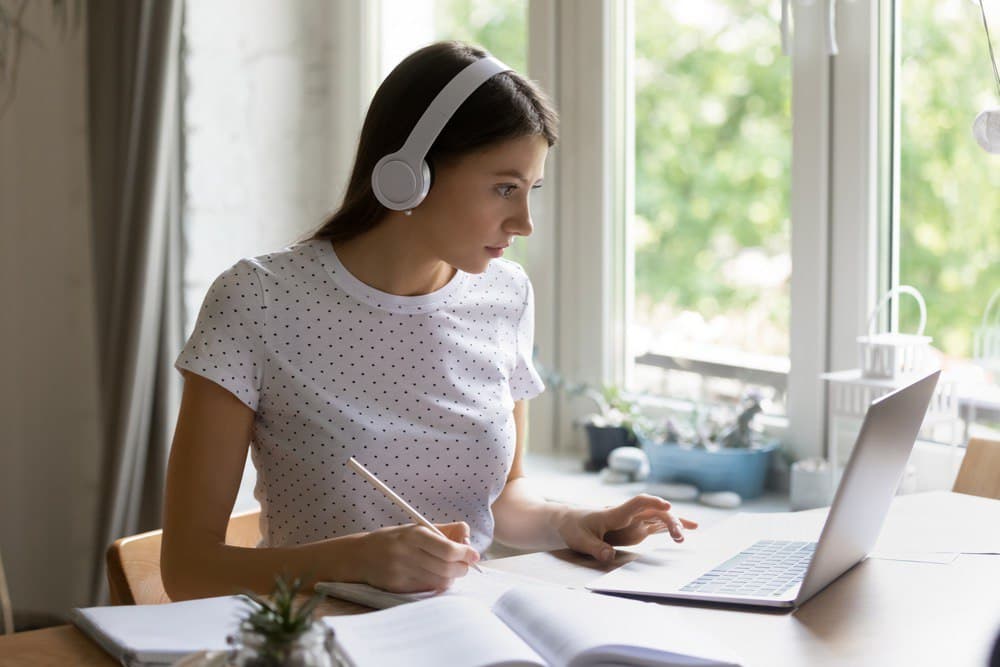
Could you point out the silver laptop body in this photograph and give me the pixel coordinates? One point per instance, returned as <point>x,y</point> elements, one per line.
<point>786,573</point>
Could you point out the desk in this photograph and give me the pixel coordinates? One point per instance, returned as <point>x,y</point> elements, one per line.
<point>882,612</point>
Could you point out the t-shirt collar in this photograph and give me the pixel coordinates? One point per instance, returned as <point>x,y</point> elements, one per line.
<point>350,284</point>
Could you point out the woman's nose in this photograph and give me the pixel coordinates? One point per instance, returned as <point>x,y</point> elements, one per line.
<point>521,224</point>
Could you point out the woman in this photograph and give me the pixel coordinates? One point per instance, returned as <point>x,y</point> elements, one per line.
<point>396,337</point>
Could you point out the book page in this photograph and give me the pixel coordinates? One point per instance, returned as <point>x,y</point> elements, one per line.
<point>455,631</point>
<point>486,587</point>
<point>575,628</point>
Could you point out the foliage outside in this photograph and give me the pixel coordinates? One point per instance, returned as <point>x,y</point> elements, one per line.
<point>713,159</point>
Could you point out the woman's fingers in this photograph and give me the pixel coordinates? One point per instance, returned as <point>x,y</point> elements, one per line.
<point>444,548</point>
<point>627,523</point>
<point>442,568</point>
<point>622,515</point>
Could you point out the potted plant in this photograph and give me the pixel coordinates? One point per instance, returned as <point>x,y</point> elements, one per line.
<point>278,632</point>
<point>612,426</point>
<point>713,454</point>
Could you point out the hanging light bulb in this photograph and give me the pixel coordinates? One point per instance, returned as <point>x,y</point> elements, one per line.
<point>986,130</point>
<point>986,126</point>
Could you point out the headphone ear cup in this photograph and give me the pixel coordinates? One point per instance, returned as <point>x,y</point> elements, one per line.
<point>428,174</point>
<point>397,185</point>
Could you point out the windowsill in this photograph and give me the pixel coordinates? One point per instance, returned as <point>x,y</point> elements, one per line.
<point>562,478</point>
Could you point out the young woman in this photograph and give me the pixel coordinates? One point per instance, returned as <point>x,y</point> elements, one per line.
<point>396,337</point>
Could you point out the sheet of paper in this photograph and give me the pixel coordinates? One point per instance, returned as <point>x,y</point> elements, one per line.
<point>940,558</point>
<point>566,626</point>
<point>971,530</point>
<point>453,631</point>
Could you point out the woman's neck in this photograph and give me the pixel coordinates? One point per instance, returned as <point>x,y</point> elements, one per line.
<point>392,260</point>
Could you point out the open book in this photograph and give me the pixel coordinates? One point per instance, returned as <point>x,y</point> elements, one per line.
<point>527,625</point>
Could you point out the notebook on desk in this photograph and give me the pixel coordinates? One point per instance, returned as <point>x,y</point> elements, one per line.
<point>162,634</point>
<point>787,572</point>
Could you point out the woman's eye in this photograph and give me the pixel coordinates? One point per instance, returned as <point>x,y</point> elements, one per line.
<point>506,191</point>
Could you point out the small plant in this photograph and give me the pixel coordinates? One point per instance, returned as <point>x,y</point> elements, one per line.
<point>614,408</point>
<point>712,427</point>
<point>273,627</point>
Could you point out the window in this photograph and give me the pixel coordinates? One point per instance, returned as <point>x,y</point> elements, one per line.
<point>710,230</point>
<point>943,237</point>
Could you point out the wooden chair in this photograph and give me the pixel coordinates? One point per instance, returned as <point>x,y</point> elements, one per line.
<point>980,471</point>
<point>134,561</point>
<point>6,609</point>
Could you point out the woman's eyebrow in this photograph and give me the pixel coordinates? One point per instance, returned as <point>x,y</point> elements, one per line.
<point>514,173</point>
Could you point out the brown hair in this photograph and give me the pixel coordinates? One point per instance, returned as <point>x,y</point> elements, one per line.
<point>507,106</point>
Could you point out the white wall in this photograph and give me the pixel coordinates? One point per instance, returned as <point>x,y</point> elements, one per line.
<point>262,165</point>
<point>257,117</point>
<point>48,385</point>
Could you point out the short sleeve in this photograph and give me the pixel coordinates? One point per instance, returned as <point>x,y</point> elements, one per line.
<point>525,381</point>
<point>226,343</point>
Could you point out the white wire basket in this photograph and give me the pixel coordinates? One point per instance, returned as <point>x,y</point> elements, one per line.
<point>892,356</point>
<point>851,393</point>
<point>986,339</point>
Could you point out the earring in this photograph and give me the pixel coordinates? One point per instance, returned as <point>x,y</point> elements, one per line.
<point>408,211</point>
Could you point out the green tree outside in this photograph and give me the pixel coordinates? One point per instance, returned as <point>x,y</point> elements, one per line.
<point>949,186</point>
<point>713,158</point>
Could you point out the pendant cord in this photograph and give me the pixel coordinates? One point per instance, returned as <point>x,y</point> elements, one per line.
<point>989,43</point>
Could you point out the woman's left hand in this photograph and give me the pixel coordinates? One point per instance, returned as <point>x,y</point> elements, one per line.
<point>597,532</point>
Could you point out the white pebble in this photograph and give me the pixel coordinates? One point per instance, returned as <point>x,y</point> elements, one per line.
<point>670,491</point>
<point>723,499</point>
<point>631,460</point>
<point>610,476</point>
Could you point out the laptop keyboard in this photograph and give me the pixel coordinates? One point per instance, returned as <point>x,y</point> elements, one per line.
<point>767,568</point>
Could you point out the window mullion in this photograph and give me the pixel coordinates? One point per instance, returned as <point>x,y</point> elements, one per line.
<point>810,197</point>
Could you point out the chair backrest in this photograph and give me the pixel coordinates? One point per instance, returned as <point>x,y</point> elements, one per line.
<point>6,609</point>
<point>134,561</point>
<point>980,471</point>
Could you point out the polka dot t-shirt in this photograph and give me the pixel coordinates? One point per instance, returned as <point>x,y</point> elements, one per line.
<point>419,389</point>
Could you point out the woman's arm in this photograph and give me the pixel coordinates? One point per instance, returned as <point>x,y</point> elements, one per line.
<point>526,520</point>
<point>209,451</point>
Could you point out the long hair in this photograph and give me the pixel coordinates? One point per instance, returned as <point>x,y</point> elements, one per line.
<point>507,106</point>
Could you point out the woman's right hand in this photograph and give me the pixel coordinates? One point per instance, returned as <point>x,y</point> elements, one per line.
<point>412,558</point>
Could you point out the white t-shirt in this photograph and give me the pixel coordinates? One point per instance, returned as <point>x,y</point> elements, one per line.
<point>419,389</point>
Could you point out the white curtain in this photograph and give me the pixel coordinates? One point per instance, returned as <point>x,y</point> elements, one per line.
<point>133,85</point>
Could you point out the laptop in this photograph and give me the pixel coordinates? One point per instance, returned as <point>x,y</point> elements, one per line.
<point>773,572</point>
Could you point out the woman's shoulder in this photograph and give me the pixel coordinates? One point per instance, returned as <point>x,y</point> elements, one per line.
<point>292,259</point>
<point>507,275</point>
<point>293,263</point>
<point>507,270</point>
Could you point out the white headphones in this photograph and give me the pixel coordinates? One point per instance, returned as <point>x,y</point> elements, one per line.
<point>401,180</point>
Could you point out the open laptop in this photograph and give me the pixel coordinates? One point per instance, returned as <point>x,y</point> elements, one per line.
<point>783,572</point>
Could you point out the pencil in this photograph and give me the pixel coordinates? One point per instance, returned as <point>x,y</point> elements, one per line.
<point>391,495</point>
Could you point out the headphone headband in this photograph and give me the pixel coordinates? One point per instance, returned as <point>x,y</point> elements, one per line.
<point>401,180</point>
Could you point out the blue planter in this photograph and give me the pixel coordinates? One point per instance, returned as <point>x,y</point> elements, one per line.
<point>739,470</point>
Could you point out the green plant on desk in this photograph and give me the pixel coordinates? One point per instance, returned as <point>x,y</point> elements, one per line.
<point>278,633</point>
